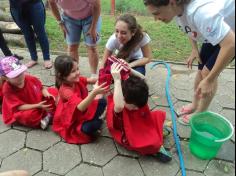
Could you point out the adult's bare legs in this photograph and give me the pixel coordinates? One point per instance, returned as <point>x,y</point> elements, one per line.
<point>205,102</point>
<point>73,51</point>
<point>93,58</point>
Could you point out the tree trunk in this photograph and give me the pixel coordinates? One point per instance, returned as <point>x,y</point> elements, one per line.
<point>14,39</point>
<point>9,27</point>
<point>4,16</point>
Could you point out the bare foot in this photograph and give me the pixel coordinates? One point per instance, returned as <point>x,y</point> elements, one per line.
<point>31,63</point>
<point>186,109</point>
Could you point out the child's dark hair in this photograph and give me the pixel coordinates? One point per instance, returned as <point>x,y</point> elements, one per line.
<point>63,66</point>
<point>135,91</point>
<point>135,28</point>
<point>158,3</point>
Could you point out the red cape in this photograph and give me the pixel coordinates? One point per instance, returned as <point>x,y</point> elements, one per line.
<point>14,97</point>
<point>143,129</point>
<point>68,119</point>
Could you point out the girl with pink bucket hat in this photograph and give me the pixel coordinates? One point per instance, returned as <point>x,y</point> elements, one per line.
<point>25,100</point>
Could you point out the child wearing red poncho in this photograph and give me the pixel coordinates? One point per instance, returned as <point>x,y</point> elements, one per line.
<point>24,100</point>
<point>129,119</point>
<point>77,118</point>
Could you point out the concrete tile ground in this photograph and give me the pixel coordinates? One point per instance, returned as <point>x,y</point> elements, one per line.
<point>43,153</point>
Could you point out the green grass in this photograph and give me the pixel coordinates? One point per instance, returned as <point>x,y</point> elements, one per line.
<point>168,42</point>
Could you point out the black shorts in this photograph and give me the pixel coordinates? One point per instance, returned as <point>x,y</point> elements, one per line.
<point>208,55</point>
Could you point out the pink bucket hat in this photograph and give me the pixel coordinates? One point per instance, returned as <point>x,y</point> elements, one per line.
<point>11,67</point>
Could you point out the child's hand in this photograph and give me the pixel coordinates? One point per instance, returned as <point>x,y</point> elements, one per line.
<point>44,106</point>
<point>100,89</point>
<point>115,71</point>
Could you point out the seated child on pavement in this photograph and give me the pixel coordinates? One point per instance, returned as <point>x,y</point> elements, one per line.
<point>25,100</point>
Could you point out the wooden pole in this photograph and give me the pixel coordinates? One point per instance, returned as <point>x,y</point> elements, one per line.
<point>113,7</point>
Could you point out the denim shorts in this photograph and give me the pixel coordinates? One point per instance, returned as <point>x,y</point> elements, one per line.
<point>76,27</point>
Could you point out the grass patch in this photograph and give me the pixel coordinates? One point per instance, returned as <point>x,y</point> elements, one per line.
<point>168,42</point>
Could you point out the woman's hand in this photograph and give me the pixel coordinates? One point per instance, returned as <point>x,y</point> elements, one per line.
<point>93,34</point>
<point>64,30</point>
<point>194,55</point>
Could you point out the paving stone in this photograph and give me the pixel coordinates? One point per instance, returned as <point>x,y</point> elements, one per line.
<point>45,174</point>
<point>191,162</point>
<point>183,130</point>
<point>191,173</point>
<point>125,152</point>
<point>100,152</point>
<point>21,128</point>
<point>229,114</point>
<point>122,166</point>
<point>182,81</point>
<point>227,152</point>
<point>151,104</point>
<point>61,158</point>
<point>152,167</point>
<point>25,159</point>
<point>160,99</point>
<point>215,106</point>
<point>183,95</point>
<point>11,141</point>
<point>85,170</point>
<point>233,137</point>
<point>220,168</point>
<point>226,101</point>
<point>41,140</point>
<point>105,131</point>
<point>3,127</point>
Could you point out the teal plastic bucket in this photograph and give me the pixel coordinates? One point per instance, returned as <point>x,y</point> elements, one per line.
<point>209,132</point>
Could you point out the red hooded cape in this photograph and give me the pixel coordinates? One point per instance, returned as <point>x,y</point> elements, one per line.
<point>139,130</point>
<point>14,97</point>
<point>68,120</point>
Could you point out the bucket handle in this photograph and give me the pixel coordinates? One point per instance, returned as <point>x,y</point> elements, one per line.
<point>232,132</point>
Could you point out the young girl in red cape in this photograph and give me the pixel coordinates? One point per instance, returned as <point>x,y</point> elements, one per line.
<point>77,118</point>
<point>129,119</point>
<point>24,97</point>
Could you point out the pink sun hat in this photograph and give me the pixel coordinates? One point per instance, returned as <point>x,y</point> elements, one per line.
<point>11,67</point>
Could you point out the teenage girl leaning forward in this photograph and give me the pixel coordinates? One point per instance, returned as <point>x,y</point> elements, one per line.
<point>211,22</point>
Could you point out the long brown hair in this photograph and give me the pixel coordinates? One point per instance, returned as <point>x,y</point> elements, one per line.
<point>63,66</point>
<point>158,3</point>
<point>135,28</point>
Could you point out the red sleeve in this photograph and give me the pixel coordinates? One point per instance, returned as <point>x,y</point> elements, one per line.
<point>83,80</point>
<point>66,93</point>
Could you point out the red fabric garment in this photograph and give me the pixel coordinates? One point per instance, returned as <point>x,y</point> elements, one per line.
<point>141,130</point>
<point>14,97</point>
<point>1,95</point>
<point>68,120</point>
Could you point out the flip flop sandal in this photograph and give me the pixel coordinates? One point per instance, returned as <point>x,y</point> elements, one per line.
<point>184,120</point>
<point>47,64</point>
<point>185,110</point>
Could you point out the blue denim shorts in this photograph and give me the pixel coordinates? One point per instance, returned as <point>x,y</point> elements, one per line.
<point>76,27</point>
